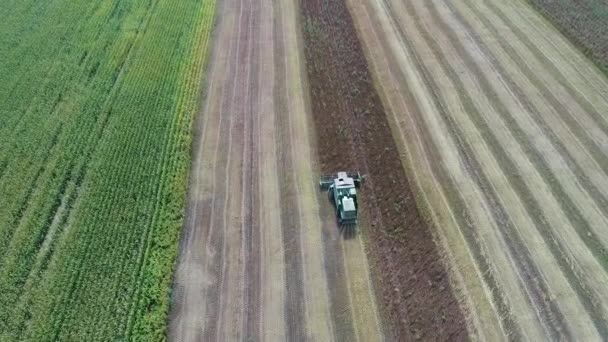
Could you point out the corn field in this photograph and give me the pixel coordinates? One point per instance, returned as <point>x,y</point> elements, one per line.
<point>97,100</point>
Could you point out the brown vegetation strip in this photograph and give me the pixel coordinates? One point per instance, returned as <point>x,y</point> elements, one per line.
<point>529,272</point>
<point>251,198</point>
<point>219,204</point>
<point>353,132</point>
<point>295,317</point>
<point>535,156</point>
<point>584,22</point>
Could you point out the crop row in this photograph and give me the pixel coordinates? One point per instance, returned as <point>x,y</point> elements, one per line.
<point>96,143</point>
<point>585,23</point>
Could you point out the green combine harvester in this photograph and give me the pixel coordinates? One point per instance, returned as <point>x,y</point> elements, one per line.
<point>341,188</point>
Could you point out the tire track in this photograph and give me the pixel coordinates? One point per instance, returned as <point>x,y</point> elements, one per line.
<point>230,318</point>
<point>319,325</point>
<point>251,197</point>
<point>340,303</point>
<point>294,301</point>
<point>216,268</point>
<point>272,264</point>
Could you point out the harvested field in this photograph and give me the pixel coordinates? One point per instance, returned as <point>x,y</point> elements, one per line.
<point>261,256</point>
<point>585,22</point>
<point>354,134</point>
<point>502,126</point>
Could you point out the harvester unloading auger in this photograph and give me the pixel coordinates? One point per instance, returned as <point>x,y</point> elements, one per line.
<point>341,189</point>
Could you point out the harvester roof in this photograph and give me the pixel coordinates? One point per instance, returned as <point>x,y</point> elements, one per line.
<point>348,204</point>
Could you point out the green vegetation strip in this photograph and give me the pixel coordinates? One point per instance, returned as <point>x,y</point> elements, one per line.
<point>97,101</point>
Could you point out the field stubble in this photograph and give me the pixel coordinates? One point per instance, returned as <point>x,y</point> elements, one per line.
<point>355,134</point>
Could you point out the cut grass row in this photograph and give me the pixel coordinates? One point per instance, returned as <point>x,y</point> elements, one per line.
<point>508,131</point>
<point>97,102</point>
<point>584,22</point>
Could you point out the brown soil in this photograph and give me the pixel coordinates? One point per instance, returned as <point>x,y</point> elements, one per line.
<point>354,134</point>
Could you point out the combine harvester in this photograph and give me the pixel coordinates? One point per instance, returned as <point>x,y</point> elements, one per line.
<point>341,188</point>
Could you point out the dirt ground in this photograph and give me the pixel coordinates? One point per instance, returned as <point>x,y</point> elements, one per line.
<point>261,257</point>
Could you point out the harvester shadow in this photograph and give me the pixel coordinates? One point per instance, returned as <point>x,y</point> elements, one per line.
<point>348,231</point>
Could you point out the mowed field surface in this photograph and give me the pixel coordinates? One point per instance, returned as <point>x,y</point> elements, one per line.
<point>261,255</point>
<point>503,126</point>
<point>96,106</point>
<point>584,22</point>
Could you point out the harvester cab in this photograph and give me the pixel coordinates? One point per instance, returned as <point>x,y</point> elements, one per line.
<point>341,189</point>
